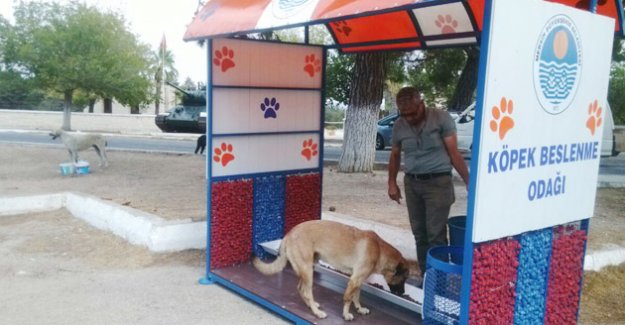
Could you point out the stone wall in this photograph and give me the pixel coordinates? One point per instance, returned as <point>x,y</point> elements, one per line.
<point>106,123</point>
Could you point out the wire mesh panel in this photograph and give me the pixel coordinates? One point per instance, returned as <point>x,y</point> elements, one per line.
<point>443,280</point>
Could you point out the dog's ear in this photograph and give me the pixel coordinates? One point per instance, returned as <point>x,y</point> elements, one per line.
<point>414,271</point>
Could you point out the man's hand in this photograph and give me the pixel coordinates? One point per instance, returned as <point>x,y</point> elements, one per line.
<point>393,169</point>
<point>394,193</point>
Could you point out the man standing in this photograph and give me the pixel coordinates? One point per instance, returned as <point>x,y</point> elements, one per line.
<point>428,139</point>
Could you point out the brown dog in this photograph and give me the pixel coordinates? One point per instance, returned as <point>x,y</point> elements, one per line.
<point>347,249</point>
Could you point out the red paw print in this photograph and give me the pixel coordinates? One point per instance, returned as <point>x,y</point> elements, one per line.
<point>223,154</point>
<point>224,58</point>
<point>447,24</point>
<point>310,149</point>
<point>313,65</point>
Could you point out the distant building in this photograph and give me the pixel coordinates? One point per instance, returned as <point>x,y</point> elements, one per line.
<point>169,101</point>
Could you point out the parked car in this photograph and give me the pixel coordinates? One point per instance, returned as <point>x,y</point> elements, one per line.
<point>385,131</point>
<point>464,128</point>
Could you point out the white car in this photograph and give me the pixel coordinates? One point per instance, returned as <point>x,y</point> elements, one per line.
<point>464,126</point>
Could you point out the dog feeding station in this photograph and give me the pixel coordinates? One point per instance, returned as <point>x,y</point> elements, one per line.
<point>543,80</point>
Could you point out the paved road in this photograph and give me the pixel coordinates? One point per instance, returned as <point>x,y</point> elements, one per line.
<point>332,151</point>
<point>114,142</point>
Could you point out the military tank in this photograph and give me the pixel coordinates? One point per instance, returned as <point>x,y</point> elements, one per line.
<point>189,116</point>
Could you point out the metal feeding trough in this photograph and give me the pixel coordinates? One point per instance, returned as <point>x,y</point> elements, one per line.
<point>375,285</point>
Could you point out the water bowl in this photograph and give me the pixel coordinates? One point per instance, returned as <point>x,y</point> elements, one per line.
<point>66,169</point>
<point>82,167</point>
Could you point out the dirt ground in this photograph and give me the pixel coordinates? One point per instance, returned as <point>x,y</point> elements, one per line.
<point>55,250</point>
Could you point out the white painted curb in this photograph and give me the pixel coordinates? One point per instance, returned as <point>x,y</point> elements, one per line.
<point>135,226</point>
<point>595,261</point>
<point>29,204</point>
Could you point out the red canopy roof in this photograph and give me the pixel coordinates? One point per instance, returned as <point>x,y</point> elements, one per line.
<point>365,25</point>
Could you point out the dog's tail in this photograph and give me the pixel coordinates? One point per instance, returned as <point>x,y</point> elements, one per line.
<point>274,267</point>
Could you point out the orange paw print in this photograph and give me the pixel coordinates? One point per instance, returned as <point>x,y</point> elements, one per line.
<point>224,58</point>
<point>223,154</point>
<point>502,121</point>
<point>447,24</point>
<point>594,117</point>
<point>313,65</point>
<point>310,149</point>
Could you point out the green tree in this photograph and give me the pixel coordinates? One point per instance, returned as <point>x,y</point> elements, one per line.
<point>615,93</point>
<point>617,82</point>
<point>464,93</point>
<point>339,77</point>
<point>436,73</point>
<point>77,47</point>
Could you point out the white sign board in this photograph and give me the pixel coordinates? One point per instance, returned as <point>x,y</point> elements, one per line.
<point>545,91</point>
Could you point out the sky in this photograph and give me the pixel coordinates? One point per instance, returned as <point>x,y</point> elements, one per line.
<point>150,20</point>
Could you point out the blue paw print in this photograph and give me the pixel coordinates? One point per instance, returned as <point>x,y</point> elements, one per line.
<point>270,107</point>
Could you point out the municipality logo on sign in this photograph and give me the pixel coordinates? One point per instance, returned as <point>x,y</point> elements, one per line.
<point>557,64</point>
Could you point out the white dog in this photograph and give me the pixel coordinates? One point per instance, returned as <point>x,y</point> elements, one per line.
<point>77,141</point>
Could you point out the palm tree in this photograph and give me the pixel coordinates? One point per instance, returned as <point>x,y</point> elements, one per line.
<point>163,68</point>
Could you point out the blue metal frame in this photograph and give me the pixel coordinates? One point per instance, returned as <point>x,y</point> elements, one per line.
<point>208,279</point>
<point>467,266</point>
<point>584,225</point>
<point>322,119</point>
<point>619,7</point>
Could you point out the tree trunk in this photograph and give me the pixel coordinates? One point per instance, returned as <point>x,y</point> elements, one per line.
<point>134,110</point>
<point>67,110</point>
<point>389,101</point>
<point>91,104</point>
<point>390,90</point>
<point>108,105</point>
<point>366,94</point>
<point>463,95</point>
